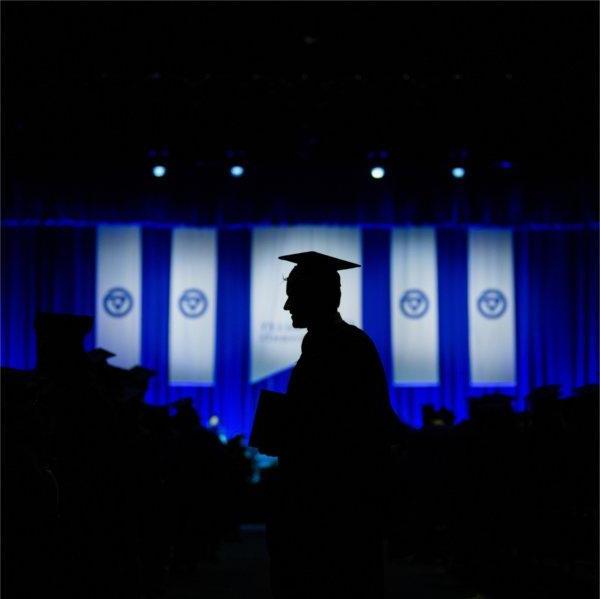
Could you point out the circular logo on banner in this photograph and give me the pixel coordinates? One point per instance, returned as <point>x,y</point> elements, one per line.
<point>118,302</point>
<point>414,303</point>
<point>492,303</point>
<point>193,303</point>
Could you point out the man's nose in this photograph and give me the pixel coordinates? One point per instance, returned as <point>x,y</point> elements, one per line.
<point>286,306</point>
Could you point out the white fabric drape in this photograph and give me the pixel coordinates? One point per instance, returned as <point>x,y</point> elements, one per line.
<point>274,344</point>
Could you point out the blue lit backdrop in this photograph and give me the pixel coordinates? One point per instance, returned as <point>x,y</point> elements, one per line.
<point>556,283</point>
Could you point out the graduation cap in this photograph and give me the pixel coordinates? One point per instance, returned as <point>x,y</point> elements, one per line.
<point>99,355</point>
<point>59,339</point>
<point>318,261</point>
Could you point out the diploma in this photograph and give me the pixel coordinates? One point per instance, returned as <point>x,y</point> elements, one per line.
<point>268,427</point>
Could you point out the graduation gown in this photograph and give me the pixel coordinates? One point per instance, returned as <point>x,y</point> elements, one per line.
<point>325,533</point>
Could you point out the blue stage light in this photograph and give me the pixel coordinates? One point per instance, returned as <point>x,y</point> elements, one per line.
<point>505,164</point>
<point>159,170</point>
<point>377,172</point>
<point>236,171</point>
<point>458,172</point>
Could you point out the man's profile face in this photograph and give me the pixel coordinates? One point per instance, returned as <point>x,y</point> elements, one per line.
<point>298,304</point>
<point>312,297</point>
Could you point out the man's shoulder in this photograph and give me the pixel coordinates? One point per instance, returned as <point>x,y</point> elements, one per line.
<point>355,336</point>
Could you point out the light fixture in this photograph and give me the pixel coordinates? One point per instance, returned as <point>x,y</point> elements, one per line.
<point>377,172</point>
<point>159,170</point>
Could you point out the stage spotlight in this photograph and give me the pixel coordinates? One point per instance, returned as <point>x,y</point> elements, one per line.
<point>159,170</point>
<point>377,172</point>
<point>458,172</point>
<point>505,164</point>
<point>236,170</point>
<point>213,421</point>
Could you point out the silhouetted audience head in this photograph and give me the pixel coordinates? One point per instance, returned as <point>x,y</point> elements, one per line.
<point>99,356</point>
<point>493,411</point>
<point>433,417</point>
<point>186,418</point>
<point>541,399</point>
<point>60,341</point>
<point>583,408</point>
<point>428,415</point>
<point>137,381</point>
<point>446,416</point>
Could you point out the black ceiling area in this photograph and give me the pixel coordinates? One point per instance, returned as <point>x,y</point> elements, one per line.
<point>301,92</point>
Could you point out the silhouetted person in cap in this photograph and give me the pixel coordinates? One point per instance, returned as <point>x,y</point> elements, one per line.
<point>82,419</point>
<point>325,530</point>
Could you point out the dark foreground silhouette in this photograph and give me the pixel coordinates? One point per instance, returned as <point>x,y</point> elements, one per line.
<point>105,496</point>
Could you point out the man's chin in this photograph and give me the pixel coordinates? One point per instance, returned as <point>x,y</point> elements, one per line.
<point>298,324</point>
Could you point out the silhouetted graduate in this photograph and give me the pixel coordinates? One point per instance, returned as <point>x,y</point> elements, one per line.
<point>325,530</point>
<point>81,418</point>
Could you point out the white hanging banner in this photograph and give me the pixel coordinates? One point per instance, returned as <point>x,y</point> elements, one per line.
<point>414,306</point>
<point>275,344</point>
<point>192,306</point>
<point>119,293</point>
<point>491,308</point>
